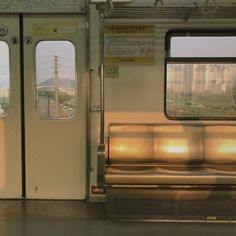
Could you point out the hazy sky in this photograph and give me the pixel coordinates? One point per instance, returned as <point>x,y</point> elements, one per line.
<point>45,52</point>
<point>203,47</point>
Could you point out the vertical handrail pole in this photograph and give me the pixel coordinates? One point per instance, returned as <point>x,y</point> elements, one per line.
<point>102,96</point>
<point>101,146</point>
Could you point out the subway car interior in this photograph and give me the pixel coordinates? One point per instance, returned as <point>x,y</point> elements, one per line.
<point>117,117</point>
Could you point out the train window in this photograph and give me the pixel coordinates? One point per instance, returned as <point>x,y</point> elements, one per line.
<point>201,77</point>
<point>55,79</point>
<point>4,79</point>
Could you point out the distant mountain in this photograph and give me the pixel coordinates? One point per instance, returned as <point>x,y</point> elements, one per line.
<point>62,82</point>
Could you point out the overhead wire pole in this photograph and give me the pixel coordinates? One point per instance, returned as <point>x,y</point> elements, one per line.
<point>55,81</point>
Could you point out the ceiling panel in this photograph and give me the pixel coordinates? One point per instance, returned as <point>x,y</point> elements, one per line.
<point>176,9</point>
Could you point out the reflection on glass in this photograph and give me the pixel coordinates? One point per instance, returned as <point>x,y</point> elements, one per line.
<point>4,79</point>
<point>55,79</point>
<point>201,90</point>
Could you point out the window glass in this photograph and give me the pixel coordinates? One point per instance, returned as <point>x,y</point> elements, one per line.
<point>201,75</point>
<point>55,79</point>
<point>4,79</point>
<point>202,46</point>
<point>201,90</point>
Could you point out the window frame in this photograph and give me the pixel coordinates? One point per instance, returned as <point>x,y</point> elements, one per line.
<point>35,80</point>
<point>191,60</point>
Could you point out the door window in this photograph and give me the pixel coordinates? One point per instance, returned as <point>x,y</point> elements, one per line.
<point>4,79</point>
<point>55,80</point>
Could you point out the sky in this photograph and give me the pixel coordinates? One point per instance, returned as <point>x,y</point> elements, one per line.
<point>203,46</point>
<point>45,52</point>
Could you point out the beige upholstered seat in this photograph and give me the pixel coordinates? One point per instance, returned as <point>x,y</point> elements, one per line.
<point>131,144</point>
<point>171,154</point>
<point>178,144</point>
<point>220,144</point>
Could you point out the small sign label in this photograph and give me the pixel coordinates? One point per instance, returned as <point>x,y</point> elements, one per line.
<point>111,72</point>
<point>96,190</point>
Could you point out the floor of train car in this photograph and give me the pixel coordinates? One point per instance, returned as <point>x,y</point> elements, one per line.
<point>44,218</point>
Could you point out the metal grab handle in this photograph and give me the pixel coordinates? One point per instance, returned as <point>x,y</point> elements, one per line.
<point>214,8</point>
<point>161,3</point>
<point>109,7</point>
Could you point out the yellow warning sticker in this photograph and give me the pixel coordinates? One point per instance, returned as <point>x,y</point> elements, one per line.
<point>128,60</point>
<point>134,29</point>
<point>52,29</point>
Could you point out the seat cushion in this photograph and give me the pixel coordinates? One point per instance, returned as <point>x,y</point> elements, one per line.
<point>137,144</point>
<point>219,144</point>
<point>131,144</point>
<point>178,144</point>
<point>152,175</point>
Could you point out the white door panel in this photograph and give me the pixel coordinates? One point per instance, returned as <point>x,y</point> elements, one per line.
<point>10,147</point>
<point>55,146</point>
<point>55,136</point>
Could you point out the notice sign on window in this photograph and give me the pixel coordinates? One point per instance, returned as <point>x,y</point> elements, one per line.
<point>129,44</point>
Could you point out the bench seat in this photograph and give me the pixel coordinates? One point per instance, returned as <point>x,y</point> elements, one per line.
<point>177,171</point>
<point>182,154</point>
